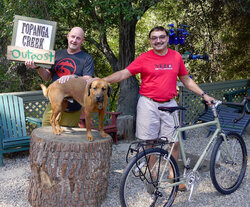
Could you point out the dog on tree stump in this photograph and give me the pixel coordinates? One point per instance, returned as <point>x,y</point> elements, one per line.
<point>92,96</point>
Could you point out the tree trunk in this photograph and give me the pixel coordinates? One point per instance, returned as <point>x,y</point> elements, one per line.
<point>129,88</point>
<point>68,170</point>
<point>128,96</point>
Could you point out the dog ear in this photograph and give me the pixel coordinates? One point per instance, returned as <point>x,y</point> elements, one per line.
<point>89,87</point>
<point>109,91</point>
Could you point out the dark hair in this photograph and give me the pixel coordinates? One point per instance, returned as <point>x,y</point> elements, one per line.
<point>158,28</point>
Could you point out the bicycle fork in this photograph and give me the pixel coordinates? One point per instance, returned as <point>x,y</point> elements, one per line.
<point>228,151</point>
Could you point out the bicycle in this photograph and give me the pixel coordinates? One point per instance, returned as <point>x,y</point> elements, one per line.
<point>227,164</point>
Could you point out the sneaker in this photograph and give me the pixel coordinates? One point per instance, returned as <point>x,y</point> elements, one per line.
<point>182,187</point>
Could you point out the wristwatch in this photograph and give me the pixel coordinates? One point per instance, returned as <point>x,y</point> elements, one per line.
<point>203,94</point>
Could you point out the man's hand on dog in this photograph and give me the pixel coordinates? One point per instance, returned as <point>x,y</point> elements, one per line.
<point>90,80</point>
<point>65,78</point>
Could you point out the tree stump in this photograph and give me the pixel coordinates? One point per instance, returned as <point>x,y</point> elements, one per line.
<point>126,127</point>
<point>67,170</point>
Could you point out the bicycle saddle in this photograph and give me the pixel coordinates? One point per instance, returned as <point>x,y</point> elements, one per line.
<point>171,109</point>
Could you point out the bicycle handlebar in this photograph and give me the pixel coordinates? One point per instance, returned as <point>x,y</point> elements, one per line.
<point>204,112</point>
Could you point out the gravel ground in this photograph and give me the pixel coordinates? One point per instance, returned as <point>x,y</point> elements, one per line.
<point>14,177</point>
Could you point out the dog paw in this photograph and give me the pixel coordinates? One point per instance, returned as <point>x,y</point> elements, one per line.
<point>103,134</point>
<point>56,132</point>
<point>90,138</point>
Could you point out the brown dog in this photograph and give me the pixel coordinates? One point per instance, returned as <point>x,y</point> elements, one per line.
<point>93,97</point>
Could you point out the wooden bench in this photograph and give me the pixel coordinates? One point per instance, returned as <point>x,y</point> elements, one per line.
<point>217,90</point>
<point>237,89</point>
<point>13,133</point>
<point>227,115</point>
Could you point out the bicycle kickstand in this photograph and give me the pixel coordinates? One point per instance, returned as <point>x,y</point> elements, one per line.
<point>191,192</point>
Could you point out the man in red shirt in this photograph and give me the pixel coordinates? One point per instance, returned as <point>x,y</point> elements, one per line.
<point>159,69</point>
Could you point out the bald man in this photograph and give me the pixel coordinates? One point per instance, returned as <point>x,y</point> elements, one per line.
<point>69,63</point>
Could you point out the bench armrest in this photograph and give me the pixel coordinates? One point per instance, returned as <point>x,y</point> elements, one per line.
<point>114,116</point>
<point>36,121</point>
<point>230,95</point>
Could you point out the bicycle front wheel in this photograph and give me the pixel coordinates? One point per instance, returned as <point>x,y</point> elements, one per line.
<point>141,185</point>
<point>228,163</point>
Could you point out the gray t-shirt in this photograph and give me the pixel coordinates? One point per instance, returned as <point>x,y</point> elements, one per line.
<point>79,64</point>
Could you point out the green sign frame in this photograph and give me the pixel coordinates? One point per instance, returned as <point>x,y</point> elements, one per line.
<point>37,21</point>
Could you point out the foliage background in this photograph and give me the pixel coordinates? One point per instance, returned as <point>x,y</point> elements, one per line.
<point>219,28</point>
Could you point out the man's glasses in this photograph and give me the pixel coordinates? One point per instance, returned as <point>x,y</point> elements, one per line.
<point>161,37</point>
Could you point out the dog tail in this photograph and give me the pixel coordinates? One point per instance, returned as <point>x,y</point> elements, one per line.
<point>45,90</point>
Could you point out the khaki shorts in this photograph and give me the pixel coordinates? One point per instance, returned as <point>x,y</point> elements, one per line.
<point>70,119</point>
<point>151,123</point>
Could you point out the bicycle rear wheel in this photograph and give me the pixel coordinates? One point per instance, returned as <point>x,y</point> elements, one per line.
<point>227,172</point>
<point>139,184</point>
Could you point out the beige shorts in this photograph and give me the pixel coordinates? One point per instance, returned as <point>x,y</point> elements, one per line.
<point>69,119</point>
<point>151,123</point>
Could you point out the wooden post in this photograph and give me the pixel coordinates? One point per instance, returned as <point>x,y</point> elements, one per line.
<point>67,170</point>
